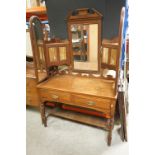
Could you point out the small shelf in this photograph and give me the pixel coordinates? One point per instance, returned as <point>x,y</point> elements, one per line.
<point>79,117</point>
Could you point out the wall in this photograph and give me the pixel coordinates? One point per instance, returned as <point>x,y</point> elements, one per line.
<point>57,11</point>
<point>112,17</point>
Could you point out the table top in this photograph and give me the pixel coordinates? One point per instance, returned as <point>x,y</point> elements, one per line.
<point>80,85</point>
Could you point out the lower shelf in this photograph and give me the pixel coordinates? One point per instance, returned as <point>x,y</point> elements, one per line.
<point>81,118</point>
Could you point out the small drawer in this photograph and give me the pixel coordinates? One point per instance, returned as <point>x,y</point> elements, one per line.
<point>94,103</point>
<point>52,95</point>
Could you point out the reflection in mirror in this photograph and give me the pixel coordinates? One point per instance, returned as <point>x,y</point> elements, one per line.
<point>38,49</point>
<point>38,30</point>
<point>80,42</point>
<point>85,46</point>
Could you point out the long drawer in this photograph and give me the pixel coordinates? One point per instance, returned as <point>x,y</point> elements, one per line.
<point>52,95</point>
<point>95,103</point>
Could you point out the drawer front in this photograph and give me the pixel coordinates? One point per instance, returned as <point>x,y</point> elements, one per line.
<point>94,103</point>
<point>52,95</point>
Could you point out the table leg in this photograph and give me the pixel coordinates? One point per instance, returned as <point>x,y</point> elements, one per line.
<point>43,116</point>
<point>111,125</point>
<point>122,109</point>
<point>109,137</point>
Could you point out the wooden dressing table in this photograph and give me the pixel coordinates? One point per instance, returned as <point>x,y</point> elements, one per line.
<point>96,94</point>
<point>88,89</point>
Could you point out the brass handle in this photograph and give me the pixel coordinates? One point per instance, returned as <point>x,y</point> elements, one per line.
<point>91,103</point>
<point>55,96</point>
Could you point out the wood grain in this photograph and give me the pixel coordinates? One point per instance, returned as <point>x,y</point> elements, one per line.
<point>81,85</point>
<point>81,118</point>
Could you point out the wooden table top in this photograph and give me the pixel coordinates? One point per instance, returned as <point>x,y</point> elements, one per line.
<point>80,85</point>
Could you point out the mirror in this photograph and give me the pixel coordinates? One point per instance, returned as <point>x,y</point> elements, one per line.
<point>84,39</point>
<point>38,48</point>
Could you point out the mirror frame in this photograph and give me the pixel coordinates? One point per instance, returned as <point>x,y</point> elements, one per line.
<point>35,49</point>
<point>85,19</point>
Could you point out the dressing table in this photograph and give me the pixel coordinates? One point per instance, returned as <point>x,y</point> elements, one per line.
<point>79,74</point>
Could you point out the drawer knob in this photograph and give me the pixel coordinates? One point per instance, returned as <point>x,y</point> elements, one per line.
<point>91,103</point>
<point>55,97</point>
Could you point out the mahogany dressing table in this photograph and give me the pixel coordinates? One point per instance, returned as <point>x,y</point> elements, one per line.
<point>90,77</point>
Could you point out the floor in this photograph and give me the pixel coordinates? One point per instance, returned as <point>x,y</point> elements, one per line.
<point>63,137</point>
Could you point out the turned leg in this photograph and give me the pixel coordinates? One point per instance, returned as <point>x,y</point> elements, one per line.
<point>43,116</point>
<point>122,109</point>
<point>109,137</point>
<point>111,125</point>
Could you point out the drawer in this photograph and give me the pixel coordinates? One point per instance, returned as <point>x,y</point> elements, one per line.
<point>52,95</point>
<point>94,103</point>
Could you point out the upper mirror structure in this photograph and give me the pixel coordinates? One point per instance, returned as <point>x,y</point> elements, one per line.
<point>37,41</point>
<point>84,31</point>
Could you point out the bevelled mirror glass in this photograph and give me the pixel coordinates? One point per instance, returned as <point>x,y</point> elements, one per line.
<point>38,48</point>
<point>84,39</point>
<point>84,31</point>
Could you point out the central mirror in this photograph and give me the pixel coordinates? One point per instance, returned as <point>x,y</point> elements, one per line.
<point>85,46</point>
<point>84,29</point>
